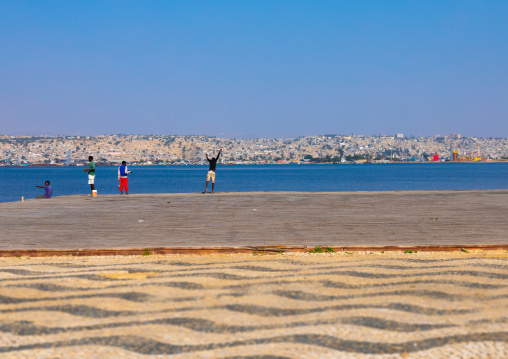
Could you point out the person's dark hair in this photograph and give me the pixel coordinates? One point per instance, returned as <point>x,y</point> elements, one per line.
<point>90,158</point>
<point>124,163</point>
<point>47,182</point>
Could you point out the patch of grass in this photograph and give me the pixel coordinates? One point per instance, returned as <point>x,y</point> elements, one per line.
<point>434,218</point>
<point>348,252</point>
<point>281,252</point>
<point>147,252</point>
<point>330,250</point>
<point>408,251</point>
<point>18,256</point>
<point>382,252</point>
<point>257,253</point>
<point>464,250</point>
<point>318,249</point>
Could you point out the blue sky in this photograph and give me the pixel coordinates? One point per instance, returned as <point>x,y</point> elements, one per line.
<point>254,68</point>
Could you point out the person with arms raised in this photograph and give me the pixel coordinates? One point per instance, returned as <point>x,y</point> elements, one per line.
<point>211,171</point>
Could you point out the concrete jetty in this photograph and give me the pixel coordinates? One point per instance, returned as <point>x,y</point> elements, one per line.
<point>400,218</point>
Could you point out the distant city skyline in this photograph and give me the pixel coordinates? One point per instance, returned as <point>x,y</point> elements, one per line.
<point>160,149</point>
<point>254,69</point>
<point>223,136</point>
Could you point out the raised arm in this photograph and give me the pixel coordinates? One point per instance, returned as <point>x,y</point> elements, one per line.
<point>218,154</point>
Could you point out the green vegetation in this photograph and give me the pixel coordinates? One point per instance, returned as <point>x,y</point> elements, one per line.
<point>330,250</point>
<point>355,158</point>
<point>410,251</point>
<point>464,250</point>
<point>326,159</point>
<point>147,252</point>
<point>317,250</point>
<point>349,252</point>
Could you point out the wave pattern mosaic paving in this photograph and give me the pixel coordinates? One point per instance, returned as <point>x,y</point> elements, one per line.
<point>391,305</point>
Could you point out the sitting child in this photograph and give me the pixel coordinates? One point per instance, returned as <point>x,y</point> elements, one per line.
<point>49,191</point>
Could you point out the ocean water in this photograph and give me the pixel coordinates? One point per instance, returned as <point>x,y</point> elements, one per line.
<point>21,181</point>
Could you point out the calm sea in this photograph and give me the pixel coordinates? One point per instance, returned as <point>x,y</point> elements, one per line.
<point>20,181</point>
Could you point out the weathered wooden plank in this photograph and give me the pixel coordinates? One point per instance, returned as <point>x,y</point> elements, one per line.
<point>405,218</point>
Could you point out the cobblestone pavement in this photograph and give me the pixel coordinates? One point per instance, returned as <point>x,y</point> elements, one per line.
<point>382,305</point>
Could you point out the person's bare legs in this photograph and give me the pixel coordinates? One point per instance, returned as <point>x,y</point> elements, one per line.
<point>206,187</point>
<point>92,186</point>
<point>213,184</point>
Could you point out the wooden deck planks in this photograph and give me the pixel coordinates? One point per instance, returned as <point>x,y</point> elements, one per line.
<point>405,218</point>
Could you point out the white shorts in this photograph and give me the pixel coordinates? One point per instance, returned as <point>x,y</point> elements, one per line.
<point>91,179</point>
<point>211,174</point>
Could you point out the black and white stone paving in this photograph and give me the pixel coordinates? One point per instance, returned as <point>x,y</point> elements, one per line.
<point>291,305</point>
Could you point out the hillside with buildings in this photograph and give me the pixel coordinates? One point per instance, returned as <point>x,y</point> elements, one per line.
<point>162,149</point>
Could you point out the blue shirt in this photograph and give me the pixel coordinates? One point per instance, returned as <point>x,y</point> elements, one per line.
<point>122,171</point>
<point>49,191</point>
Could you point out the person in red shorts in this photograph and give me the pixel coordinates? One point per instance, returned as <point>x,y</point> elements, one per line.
<point>122,178</point>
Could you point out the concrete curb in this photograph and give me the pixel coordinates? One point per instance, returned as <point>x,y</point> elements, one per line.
<point>226,250</point>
